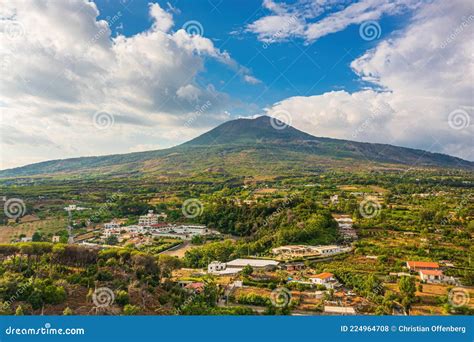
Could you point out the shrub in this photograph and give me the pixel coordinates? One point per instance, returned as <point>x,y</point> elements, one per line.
<point>130,310</point>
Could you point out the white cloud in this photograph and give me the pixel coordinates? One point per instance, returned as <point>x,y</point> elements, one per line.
<point>311,20</point>
<point>163,21</point>
<point>252,80</point>
<point>426,71</point>
<point>60,65</point>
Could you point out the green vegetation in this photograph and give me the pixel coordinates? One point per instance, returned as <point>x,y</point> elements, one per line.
<point>258,195</point>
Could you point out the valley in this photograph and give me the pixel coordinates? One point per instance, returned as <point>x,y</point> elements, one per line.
<point>244,220</point>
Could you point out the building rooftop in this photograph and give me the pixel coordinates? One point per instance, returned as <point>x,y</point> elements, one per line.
<point>323,275</point>
<point>326,247</point>
<point>427,264</point>
<point>348,310</point>
<point>252,262</point>
<point>432,272</point>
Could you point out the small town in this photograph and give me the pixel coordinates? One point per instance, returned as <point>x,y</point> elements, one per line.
<point>294,279</point>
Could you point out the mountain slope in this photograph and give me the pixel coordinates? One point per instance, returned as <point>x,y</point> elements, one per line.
<point>245,146</point>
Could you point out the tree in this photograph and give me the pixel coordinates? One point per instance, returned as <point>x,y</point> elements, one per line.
<point>407,288</point>
<point>36,236</point>
<point>54,294</point>
<point>167,264</point>
<point>111,240</point>
<point>210,294</point>
<point>247,270</point>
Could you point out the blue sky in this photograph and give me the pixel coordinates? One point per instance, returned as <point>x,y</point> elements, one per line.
<point>83,77</point>
<point>286,68</point>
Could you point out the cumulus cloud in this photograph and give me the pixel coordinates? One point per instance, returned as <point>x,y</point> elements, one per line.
<point>61,66</point>
<point>426,74</point>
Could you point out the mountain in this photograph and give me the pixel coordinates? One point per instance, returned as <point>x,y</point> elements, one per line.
<point>244,147</point>
<point>250,131</point>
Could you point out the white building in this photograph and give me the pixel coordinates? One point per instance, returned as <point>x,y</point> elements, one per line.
<point>111,225</point>
<point>216,266</point>
<point>184,232</point>
<point>436,277</point>
<point>237,265</point>
<point>339,310</point>
<point>73,207</point>
<point>109,232</point>
<point>254,263</point>
<point>431,276</point>
<point>151,218</point>
<point>328,250</point>
<point>327,279</point>
<point>294,251</point>
<point>148,219</point>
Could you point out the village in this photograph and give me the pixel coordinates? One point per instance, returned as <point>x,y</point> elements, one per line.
<point>344,277</point>
<point>285,277</point>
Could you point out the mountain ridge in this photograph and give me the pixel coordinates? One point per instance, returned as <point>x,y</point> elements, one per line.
<point>263,136</point>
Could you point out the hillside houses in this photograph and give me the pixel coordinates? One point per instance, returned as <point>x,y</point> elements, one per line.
<point>327,279</point>
<point>422,265</point>
<point>159,230</point>
<point>436,277</point>
<point>345,225</point>
<point>183,232</point>
<point>295,251</point>
<point>430,272</point>
<point>237,265</point>
<point>151,218</point>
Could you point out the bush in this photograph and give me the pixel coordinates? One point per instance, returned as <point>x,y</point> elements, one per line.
<point>122,298</point>
<point>253,299</point>
<point>130,310</point>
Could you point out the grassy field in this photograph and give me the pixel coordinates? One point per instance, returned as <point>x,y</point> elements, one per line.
<point>47,227</point>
